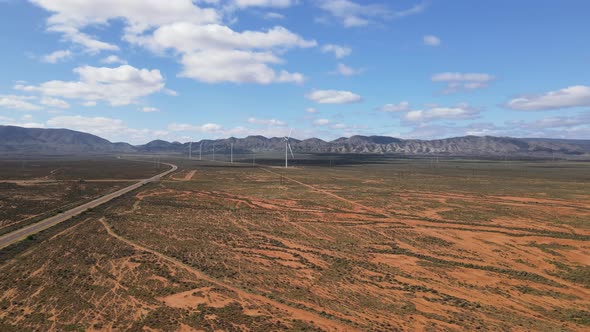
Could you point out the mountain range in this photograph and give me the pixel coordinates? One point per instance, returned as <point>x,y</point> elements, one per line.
<point>35,141</point>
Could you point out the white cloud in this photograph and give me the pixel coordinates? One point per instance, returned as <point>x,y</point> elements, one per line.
<point>170,92</point>
<point>463,81</point>
<point>26,121</point>
<point>57,56</point>
<point>312,110</point>
<point>54,102</point>
<point>118,86</point>
<point>148,109</point>
<point>70,17</point>
<point>264,3</point>
<point>352,14</point>
<point>187,37</point>
<point>321,122</point>
<point>401,107</point>
<point>109,128</point>
<point>206,128</point>
<point>339,51</point>
<point>431,40</point>
<point>90,44</point>
<point>215,53</point>
<point>573,96</point>
<point>333,97</point>
<point>113,59</point>
<point>186,29</point>
<point>237,67</point>
<point>573,127</point>
<point>100,126</point>
<point>344,70</point>
<point>554,122</point>
<point>268,122</point>
<point>27,124</point>
<point>459,112</point>
<point>18,103</point>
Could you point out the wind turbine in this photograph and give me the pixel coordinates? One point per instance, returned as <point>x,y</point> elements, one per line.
<point>190,150</point>
<point>201,151</point>
<point>288,148</point>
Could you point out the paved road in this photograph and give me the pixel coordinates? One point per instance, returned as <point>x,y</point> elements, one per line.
<point>20,234</point>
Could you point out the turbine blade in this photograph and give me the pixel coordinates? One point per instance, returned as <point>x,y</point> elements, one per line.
<point>292,155</point>
<point>290,132</point>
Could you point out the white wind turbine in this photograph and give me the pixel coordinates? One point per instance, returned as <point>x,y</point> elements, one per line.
<point>287,149</point>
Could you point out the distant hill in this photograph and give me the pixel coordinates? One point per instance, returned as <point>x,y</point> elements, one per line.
<point>16,140</point>
<point>584,144</point>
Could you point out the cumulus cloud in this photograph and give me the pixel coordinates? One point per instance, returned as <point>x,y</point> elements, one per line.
<point>237,67</point>
<point>333,97</point>
<point>403,106</point>
<point>431,40</point>
<point>118,86</point>
<point>115,130</point>
<point>321,122</point>
<point>463,81</point>
<point>187,37</point>
<point>70,18</point>
<point>205,128</point>
<point>338,51</point>
<point>214,53</point>
<point>311,110</point>
<point>267,122</point>
<point>54,102</point>
<point>22,103</point>
<point>187,30</point>
<point>25,121</point>
<point>57,56</point>
<point>113,59</point>
<point>573,96</point>
<point>459,112</point>
<point>345,70</point>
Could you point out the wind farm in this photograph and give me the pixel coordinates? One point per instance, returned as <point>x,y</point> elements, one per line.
<point>294,165</point>
<point>406,243</point>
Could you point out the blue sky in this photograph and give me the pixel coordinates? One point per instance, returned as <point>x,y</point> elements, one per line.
<point>138,70</point>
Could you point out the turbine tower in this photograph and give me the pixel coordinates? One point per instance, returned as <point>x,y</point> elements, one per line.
<point>287,149</point>
<point>190,150</point>
<point>201,151</point>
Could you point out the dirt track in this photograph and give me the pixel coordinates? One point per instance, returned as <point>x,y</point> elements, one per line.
<point>328,325</point>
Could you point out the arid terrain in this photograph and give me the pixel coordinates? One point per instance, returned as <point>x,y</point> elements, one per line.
<point>31,190</point>
<point>329,245</point>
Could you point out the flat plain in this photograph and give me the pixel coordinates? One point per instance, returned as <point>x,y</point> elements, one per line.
<point>334,244</point>
<point>32,189</point>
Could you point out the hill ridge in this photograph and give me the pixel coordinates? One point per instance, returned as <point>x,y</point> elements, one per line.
<point>18,140</point>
